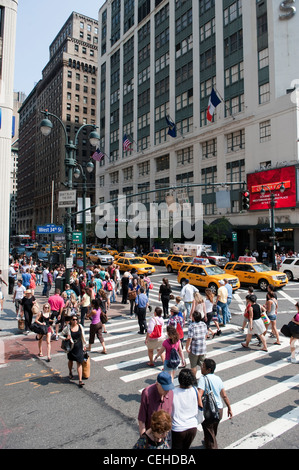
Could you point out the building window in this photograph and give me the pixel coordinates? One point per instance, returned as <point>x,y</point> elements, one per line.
<point>162,163</point>
<point>264,93</point>
<point>264,58</point>
<point>185,156</point>
<point>209,148</point>
<point>265,131</point>
<point>143,168</point>
<point>236,141</point>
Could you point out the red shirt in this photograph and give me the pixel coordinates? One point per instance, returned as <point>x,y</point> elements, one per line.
<point>151,401</point>
<point>56,302</point>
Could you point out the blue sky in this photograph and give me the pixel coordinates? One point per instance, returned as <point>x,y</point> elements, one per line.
<point>38,23</point>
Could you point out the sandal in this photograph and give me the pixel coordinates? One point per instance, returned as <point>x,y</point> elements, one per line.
<point>244,345</point>
<point>151,364</point>
<point>277,343</point>
<point>71,376</point>
<point>81,384</point>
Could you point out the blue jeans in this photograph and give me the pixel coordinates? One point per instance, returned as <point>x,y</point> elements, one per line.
<point>229,301</point>
<point>223,307</point>
<point>45,288</point>
<point>188,306</point>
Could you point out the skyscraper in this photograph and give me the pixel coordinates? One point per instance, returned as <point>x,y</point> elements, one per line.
<point>68,90</point>
<point>162,59</point>
<point>8,19</point>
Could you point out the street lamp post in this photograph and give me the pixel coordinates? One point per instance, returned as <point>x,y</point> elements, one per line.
<point>281,188</point>
<point>46,127</point>
<point>77,173</point>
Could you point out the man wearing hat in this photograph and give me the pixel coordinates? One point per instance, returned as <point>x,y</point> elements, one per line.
<point>222,296</point>
<point>155,397</point>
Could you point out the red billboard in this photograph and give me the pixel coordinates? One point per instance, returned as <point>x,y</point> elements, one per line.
<point>271,181</point>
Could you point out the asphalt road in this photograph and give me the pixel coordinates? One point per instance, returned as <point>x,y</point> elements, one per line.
<point>42,409</point>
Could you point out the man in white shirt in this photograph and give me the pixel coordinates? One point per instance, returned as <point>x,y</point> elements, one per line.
<point>11,279</point>
<point>187,294</point>
<point>45,280</point>
<point>18,295</point>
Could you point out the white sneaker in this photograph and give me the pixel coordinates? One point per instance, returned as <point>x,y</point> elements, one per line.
<point>294,360</point>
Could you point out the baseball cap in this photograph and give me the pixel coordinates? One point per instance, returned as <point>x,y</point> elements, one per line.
<point>221,282</point>
<point>164,379</point>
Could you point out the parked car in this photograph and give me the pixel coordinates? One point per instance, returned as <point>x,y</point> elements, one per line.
<point>290,267</point>
<point>101,257</point>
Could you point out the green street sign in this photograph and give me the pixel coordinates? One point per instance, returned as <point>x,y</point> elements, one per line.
<point>234,236</point>
<point>77,238</point>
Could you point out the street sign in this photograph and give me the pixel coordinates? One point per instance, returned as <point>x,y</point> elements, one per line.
<point>77,238</point>
<point>67,199</point>
<point>49,229</point>
<point>69,263</point>
<point>234,237</point>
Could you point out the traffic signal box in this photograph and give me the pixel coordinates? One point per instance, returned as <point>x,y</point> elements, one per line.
<point>245,200</point>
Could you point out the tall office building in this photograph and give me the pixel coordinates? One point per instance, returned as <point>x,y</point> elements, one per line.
<point>162,58</point>
<point>68,90</point>
<point>8,20</point>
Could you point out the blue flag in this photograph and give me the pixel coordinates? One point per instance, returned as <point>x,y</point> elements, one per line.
<point>171,127</point>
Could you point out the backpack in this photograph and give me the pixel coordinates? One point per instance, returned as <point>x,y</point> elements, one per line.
<point>174,360</point>
<point>108,286</point>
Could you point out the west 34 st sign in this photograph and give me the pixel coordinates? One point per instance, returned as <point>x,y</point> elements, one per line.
<point>288,8</point>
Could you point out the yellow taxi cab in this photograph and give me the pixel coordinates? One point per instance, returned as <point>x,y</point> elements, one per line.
<point>128,254</point>
<point>175,262</point>
<point>156,258</point>
<point>141,266</point>
<point>203,275</point>
<point>252,273</point>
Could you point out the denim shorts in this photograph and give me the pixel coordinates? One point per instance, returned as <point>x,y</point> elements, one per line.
<point>272,317</point>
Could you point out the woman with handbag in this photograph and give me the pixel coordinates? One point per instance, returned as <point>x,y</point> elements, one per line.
<point>44,321</point>
<point>210,386</point>
<point>256,325</point>
<point>96,326</point>
<point>155,335</point>
<point>132,294</point>
<point>74,332</point>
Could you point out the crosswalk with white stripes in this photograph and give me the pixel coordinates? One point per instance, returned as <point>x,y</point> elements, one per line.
<point>262,386</point>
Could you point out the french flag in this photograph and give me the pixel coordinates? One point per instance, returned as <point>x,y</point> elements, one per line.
<point>214,101</point>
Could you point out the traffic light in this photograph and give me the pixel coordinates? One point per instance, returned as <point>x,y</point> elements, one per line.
<point>245,200</point>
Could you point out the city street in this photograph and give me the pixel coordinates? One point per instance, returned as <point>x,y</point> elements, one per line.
<point>44,409</point>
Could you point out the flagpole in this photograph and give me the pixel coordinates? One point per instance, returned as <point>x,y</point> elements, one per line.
<point>229,111</point>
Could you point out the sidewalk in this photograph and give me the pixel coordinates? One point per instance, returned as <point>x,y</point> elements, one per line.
<point>9,324</point>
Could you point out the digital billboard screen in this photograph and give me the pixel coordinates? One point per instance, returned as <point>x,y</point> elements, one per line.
<point>271,180</point>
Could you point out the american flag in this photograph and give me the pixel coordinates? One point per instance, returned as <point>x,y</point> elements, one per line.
<point>126,143</point>
<point>98,155</point>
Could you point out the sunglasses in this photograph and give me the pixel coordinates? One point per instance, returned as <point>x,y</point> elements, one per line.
<point>74,319</point>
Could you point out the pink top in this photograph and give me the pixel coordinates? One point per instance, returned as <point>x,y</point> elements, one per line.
<point>296,317</point>
<point>168,346</point>
<point>56,302</point>
<point>96,318</point>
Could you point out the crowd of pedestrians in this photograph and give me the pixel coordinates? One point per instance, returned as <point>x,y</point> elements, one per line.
<point>168,416</point>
